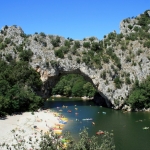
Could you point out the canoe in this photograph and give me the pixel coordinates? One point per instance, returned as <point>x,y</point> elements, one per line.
<point>63,122</point>
<point>59,124</point>
<point>145,128</point>
<point>87,119</point>
<point>64,119</point>
<point>57,131</point>
<point>99,133</point>
<point>57,127</point>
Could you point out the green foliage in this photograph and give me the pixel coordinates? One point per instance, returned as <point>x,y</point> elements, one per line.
<point>44,43</point>
<point>77,44</point>
<point>42,34</point>
<point>95,46</point>
<point>111,35</point>
<point>65,49</point>
<point>73,85</point>
<point>69,57</point>
<point>119,37</point>
<point>128,59</point>
<point>132,37</point>
<point>118,82</point>
<point>74,50</point>
<point>110,52</point>
<point>143,20</point>
<point>19,48</point>
<point>7,40</point>
<point>8,57</point>
<point>18,86</point>
<point>51,141</point>
<point>105,59</point>
<point>140,95</point>
<point>78,60</point>
<point>59,53</point>
<point>36,39</point>
<point>130,26</point>
<point>147,44</point>
<point>92,38</point>
<point>136,29</point>
<point>2,45</point>
<point>139,52</point>
<point>5,27</point>
<point>127,80</point>
<point>86,45</point>
<point>54,63</point>
<point>67,43</point>
<point>107,142</point>
<point>103,75</point>
<point>55,42</point>
<point>25,55</point>
<point>86,59</point>
<point>70,39</point>
<point>1,39</point>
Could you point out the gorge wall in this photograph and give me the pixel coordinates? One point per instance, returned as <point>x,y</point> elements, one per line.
<point>133,61</point>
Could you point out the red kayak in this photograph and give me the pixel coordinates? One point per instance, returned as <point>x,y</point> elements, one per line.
<point>69,111</point>
<point>99,132</point>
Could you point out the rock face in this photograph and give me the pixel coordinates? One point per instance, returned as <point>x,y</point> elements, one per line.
<point>51,67</point>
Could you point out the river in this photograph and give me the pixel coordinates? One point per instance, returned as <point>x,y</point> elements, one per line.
<point>127,127</point>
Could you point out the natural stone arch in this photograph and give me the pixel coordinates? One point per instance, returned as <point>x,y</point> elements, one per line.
<point>50,81</point>
<point>50,66</point>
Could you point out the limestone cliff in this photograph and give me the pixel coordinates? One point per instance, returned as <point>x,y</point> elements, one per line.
<point>112,65</point>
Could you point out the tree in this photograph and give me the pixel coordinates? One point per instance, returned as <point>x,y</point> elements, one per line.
<point>77,44</point>
<point>95,46</point>
<point>18,86</point>
<point>51,141</point>
<point>139,97</point>
<point>25,55</point>
<point>59,53</point>
<point>86,44</point>
<point>118,82</point>
<point>55,42</point>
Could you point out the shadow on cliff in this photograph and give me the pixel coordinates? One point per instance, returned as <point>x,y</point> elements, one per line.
<point>100,100</point>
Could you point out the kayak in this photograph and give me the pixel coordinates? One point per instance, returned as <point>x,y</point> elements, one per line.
<point>145,128</point>
<point>57,131</point>
<point>57,127</point>
<point>64,119</point>
<point>69,111</point>
<point>87,119</point>
<point>99,132</point>
<point>63,122</point>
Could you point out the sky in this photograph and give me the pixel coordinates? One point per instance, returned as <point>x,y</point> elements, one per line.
<point>75,19</point>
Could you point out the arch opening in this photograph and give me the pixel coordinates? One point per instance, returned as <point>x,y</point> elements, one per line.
<point>98,98</point>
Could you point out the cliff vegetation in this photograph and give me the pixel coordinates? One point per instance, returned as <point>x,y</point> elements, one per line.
<point>113,65</point>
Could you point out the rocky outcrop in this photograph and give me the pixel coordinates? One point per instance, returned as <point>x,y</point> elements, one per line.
<point>51,67</point>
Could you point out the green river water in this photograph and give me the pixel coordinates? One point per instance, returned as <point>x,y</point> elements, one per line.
<point>127,127</point>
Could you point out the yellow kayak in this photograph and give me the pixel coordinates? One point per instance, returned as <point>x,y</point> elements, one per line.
<point>59,127</point>
<point>57,131</point>
<point>64,119</point>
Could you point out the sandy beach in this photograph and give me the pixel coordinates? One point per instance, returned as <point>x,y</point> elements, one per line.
<point>26,126</point>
